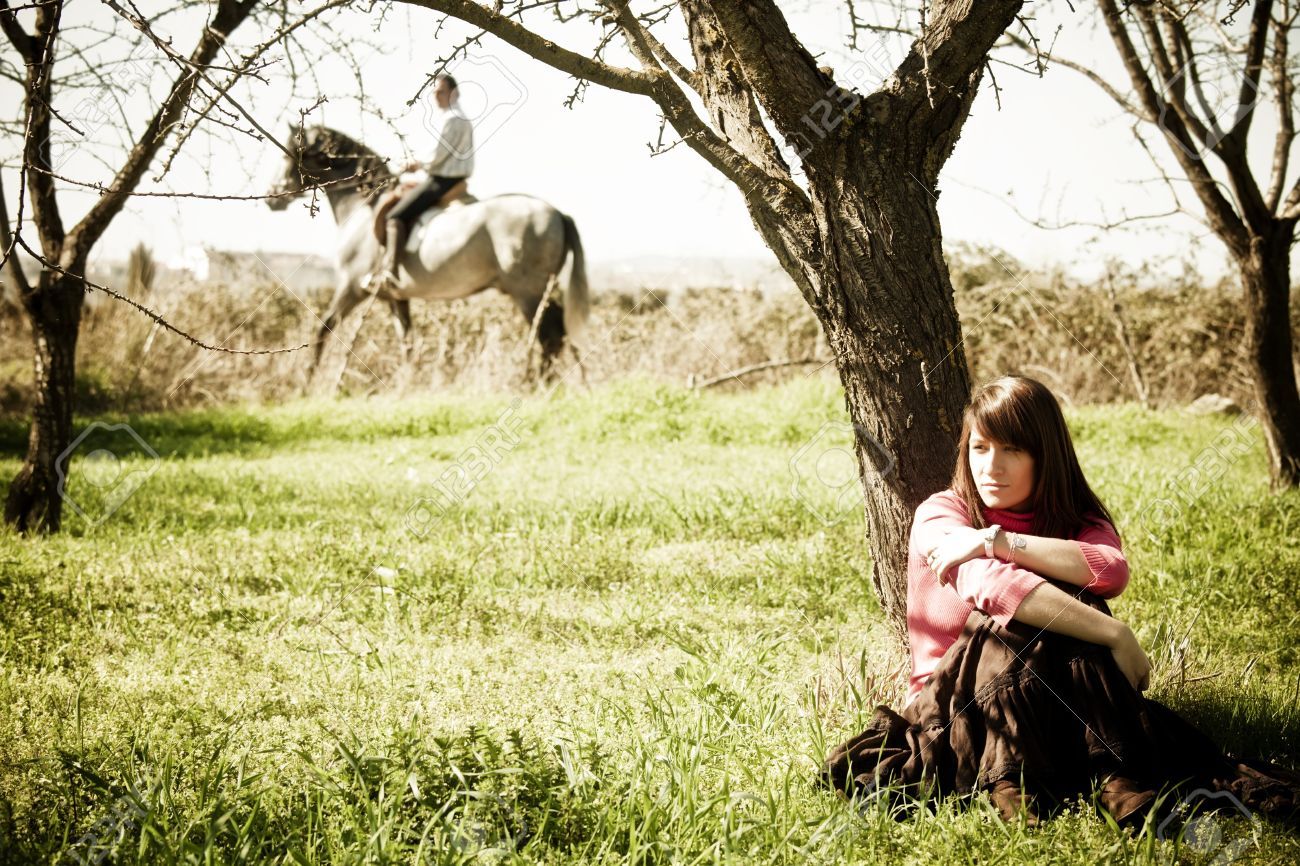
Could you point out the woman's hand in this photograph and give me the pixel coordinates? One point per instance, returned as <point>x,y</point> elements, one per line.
<point>1132,661</point>
<point>958,545</point>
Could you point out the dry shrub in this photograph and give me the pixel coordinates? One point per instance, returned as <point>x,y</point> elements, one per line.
<point>1187,338</point>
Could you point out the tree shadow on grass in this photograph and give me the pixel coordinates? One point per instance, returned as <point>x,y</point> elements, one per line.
<point>254,432</point>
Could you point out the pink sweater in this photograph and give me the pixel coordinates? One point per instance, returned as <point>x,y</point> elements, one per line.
<point>937,613</point>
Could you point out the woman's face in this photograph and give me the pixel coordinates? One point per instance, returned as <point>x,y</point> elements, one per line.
<point>1004,474</point>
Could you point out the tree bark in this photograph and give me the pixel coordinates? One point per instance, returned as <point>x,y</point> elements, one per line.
<point>54,311</point>
<point>1266,281</point>
<point>886,304</point>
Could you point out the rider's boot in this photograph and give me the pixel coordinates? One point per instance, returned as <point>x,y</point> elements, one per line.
<point>396,235</point>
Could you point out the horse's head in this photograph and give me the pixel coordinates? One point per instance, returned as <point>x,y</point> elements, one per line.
<point>295,179</point>
<point>307,163</point>
<point>321,157</point>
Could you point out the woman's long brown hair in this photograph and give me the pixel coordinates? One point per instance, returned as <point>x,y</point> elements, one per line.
<point>1019,411</point>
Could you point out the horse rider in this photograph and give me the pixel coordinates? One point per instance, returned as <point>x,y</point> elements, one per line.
<point>452,162</point>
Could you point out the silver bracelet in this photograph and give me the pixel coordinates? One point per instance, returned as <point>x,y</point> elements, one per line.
<point>1015,541</point>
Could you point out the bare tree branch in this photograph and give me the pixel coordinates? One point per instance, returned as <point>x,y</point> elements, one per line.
<point>13,271</point>
<point>1283,94</point>
<point>642,33</point>
<point>726,94</point>
<point>36,141</point>
<point>1218,208</point>
<point>1086,71</point>
<point>87,232</point>
<point>783,76</point>
<point>514,33</point>
<point>1260,18</point>
<point>23,42</point>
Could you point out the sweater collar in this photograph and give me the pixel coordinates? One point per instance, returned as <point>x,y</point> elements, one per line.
<point>1016,521</point>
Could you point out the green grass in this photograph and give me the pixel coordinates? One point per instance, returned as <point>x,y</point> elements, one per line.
<point>631,641</point>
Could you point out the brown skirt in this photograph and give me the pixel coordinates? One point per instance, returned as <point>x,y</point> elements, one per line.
<point>1019,700</point>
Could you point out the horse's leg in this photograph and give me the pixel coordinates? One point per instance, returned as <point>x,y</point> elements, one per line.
<point>550,336</point>
<point>345,301</point>
<point>546,326</point>
<point>401,310</point>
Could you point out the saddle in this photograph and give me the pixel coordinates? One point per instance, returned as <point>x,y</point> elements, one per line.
<point>390,200</point>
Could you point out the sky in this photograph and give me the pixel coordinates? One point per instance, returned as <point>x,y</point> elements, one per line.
<point>1053,147</point>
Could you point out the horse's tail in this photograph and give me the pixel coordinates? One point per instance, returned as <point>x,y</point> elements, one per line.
<point>576,304</point>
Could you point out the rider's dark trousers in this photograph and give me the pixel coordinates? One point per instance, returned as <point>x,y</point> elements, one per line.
<point>423,197</point>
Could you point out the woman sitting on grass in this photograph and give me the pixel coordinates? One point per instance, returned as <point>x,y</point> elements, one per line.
<point>1023,685</point>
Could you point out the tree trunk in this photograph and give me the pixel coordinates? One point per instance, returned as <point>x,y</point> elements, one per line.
<point>882,293</point>
<point>54,306</point>
<point>54,311</point>
<point>872,269</point>
<point>1266,280</point>
<point>902,365</point>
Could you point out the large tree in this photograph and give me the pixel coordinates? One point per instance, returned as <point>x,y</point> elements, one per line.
<point>862,242</point>
<point>1200,74</point>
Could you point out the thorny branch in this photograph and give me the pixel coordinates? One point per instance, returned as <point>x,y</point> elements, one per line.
<point>200,95</point>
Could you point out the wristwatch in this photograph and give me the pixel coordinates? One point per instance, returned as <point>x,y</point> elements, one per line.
<point>990,536</point>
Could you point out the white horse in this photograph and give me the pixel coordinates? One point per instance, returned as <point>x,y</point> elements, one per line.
<point>515,243</point>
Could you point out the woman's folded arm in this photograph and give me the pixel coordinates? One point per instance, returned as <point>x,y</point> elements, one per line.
<point>1053,609</point>
<point>990,585</point>
<point>1100,546</point>
<point>1093,561</point>
<point>995,587</point>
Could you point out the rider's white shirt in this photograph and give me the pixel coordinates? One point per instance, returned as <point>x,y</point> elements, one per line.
<point>454,156</point>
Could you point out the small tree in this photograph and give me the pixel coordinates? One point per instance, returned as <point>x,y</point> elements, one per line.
<point>1199,76</point>
<point>140,271</point>
<point>71,79</point>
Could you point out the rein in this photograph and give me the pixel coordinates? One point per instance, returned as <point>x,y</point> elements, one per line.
<point>354,182</point>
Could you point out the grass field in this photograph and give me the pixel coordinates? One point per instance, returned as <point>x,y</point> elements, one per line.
<point>632,640</point>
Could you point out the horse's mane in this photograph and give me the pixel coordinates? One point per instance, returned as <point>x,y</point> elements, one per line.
<point>341,143</point>
<point>345,150</point>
